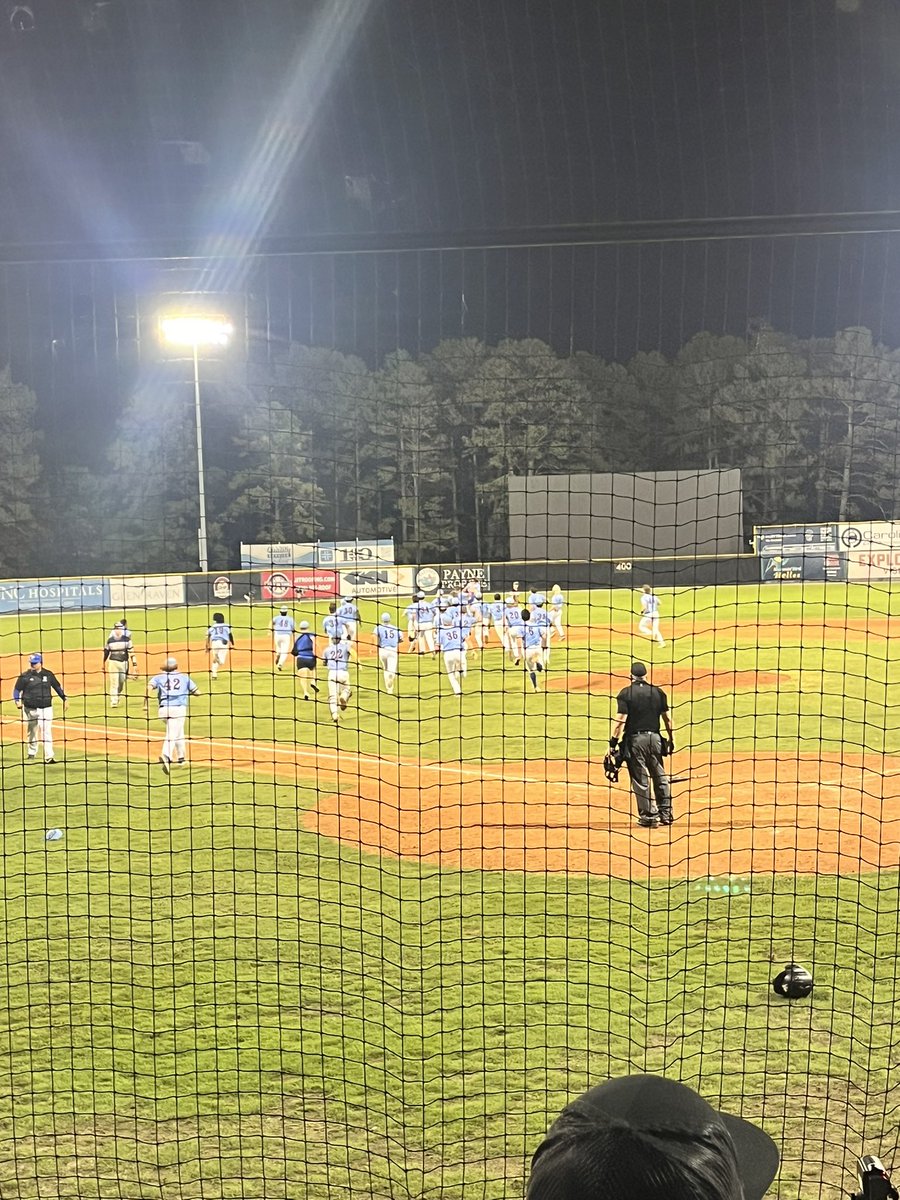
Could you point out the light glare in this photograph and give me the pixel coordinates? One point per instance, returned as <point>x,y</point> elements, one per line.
<point>196,331</point>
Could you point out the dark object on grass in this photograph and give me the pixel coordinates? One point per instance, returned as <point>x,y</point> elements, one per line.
<point>793,983</point>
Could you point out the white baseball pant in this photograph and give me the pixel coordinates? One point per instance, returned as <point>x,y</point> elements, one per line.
<point>173,742</point>
<point>338,690</point>
<point>39,723</point>
<point>117,673</point>
<point>218,656</point>
<point>283,643</point>
<point>454,664</point>
<point>388,658</point>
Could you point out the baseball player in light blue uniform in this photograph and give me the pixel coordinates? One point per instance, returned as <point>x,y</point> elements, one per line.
<point>349,614</point>
<point>451,641</point>
<point>542,619</point>
<point>412,628</point>
<point>482,623</point>
<point>283,637</point>
<point>514,625</point>
<point>424,624</point>
<point>333,624</point>
<point>337,661</point>
<point>219,639</point>
<point>649,622</point>
<point>496,608</point>
<point>533,638</point>
<point>557,603</point>
<point>173,690</point>
<point>388,638</point>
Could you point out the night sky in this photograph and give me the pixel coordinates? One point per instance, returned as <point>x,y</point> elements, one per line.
<point>217,123</point>
<point>460,114</point>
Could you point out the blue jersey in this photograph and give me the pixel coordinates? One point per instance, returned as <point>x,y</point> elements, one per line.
<point>337,657</point>
<point>388,637</point>
<point>304,647</point>
<point>485,610</point>
<point>173,688</point>
<point>283,623</point>
<point>424,613</point>
<point>450,637</point>
<point>410,612</point>
<point>541,618</point>
<point>558,600</point>
<point>219,633</point>
<point>534,634</point>
<point>466,621</point>
<point>512,615</point>
<point>334,625</point>
<point>650,604</point>
<point>496,608</point>
<point>348,612</point>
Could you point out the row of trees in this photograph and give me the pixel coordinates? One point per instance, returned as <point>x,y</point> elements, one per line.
<point>316,443</point>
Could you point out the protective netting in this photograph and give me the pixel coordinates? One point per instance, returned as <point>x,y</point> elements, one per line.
<point>373,950</point>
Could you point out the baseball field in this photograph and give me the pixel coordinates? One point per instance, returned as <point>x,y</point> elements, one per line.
<point>376,960</point>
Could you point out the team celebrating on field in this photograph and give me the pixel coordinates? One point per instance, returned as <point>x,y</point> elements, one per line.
<point>453,625</point>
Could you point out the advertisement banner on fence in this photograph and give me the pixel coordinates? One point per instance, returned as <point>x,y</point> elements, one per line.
<point>797,552</point>
<point>228,587</point>
<point>285,555</point>
<point>356,554</point>
<point>146,591</point>
<point>864,566</point>
<point>378,581</point>
<point>453,579</point>
<point>865,536</point>
<point>34,595</point>
<point>782,568</point>
<point>294,585</point>
<point>277,554</point>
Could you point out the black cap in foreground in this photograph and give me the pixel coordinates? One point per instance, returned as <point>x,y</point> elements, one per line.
<point>638,670</point>
<point>654,1138</point>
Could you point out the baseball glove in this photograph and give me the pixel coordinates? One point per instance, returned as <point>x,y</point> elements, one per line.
<point>612,763</point>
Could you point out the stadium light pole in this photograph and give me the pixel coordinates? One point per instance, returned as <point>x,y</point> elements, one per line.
<point>196,332</point>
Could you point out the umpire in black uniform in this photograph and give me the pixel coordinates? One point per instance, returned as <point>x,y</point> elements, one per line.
<point>640,706</point>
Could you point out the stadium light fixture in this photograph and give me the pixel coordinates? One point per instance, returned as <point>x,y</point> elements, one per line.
<point>21,18</point>
<point>196,332</point>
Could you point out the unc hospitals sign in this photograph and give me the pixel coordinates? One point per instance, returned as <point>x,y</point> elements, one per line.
<point>53,594</point>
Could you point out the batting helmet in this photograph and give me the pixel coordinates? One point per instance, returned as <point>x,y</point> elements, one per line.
<point>793,983</point>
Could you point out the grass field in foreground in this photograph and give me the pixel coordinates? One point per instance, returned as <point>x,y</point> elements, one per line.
<point>201,999</point>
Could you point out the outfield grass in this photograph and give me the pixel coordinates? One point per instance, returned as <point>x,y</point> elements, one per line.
<point>200,998</point>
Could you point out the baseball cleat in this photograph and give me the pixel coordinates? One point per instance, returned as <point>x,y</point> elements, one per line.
<point>165,763</point>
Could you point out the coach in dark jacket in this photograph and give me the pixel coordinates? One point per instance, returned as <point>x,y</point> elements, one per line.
<point>33,695</point>
<point>640,707</point>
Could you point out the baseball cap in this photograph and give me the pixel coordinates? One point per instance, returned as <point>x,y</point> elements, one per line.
<point>638,670</point>
<point>35,659</point>
<point>170,664</point>
<point>347,599</point>
<point>385,618</point>
<point>119,625</point>
<point>282,610</point>
<point>539,600</point>
<point>650,1136</point>
<point>304,624</point>
<point>420,595</point>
